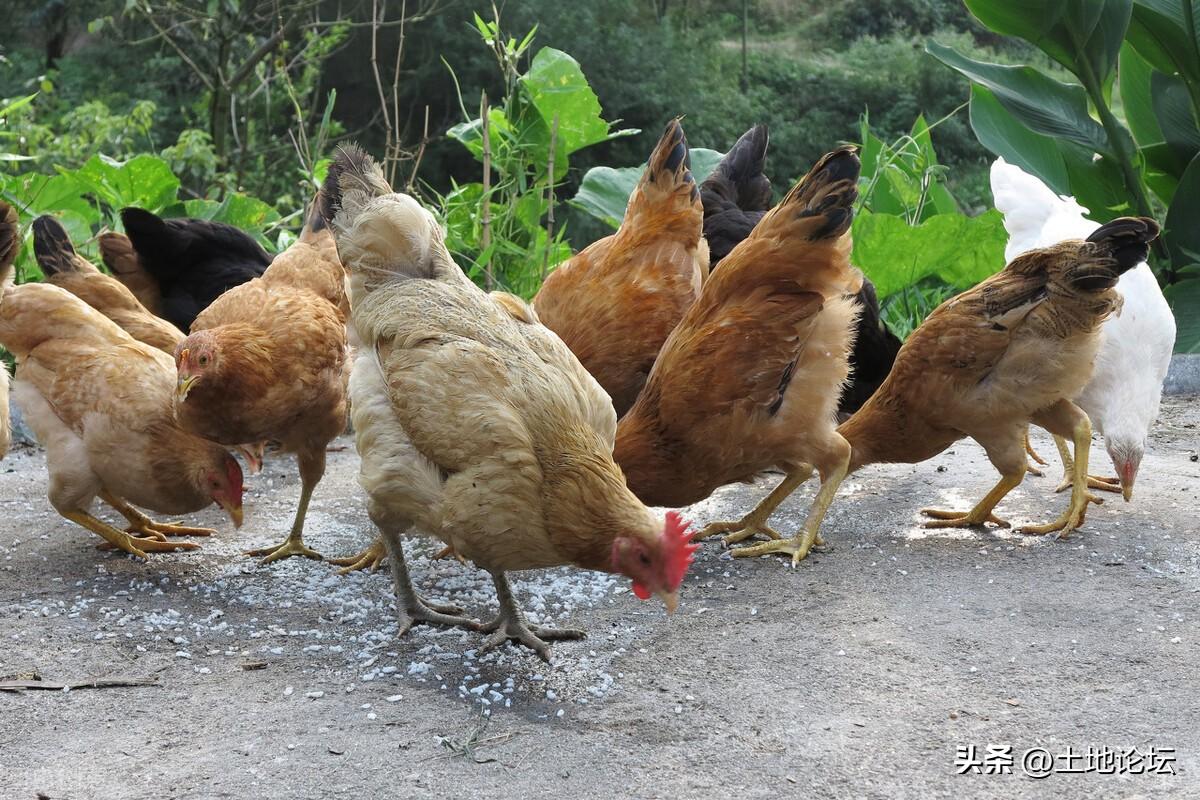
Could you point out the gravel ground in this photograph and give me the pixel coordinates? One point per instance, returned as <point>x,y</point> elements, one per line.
<point>856,675</point>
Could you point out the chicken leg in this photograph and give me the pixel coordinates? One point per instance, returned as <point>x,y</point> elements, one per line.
<point>1064,418</point>
<point>1006,449</point>
<point>370,559</point>
<point>835,465</point>
<point>312,468</point>
<point>756,521</point>
<point>145,527</point>
<point>510,623</point>
<point>1093,482</point>
<point>1030,468</point>
<point>123,541</point>
<point>411,607</point>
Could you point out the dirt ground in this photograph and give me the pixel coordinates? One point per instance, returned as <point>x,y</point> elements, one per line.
<point>858,674</point>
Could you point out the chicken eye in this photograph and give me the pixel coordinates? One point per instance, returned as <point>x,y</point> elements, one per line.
<point>645,559</point>
<point>202,361</point>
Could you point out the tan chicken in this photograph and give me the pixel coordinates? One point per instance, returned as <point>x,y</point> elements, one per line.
<point>123,262</point>
<point>1013,350</point>
<point>476,425</point>
<point>100,403</point>
<point>68,270</point>
<point>10,244</point>
<point>267,361</point>
<point>750,379</point>
<point>615,303</point>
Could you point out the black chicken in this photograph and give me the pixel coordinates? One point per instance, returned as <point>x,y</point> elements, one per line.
<point>194,261</point>
<point>736,196</point>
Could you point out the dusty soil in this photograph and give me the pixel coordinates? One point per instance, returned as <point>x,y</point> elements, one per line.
<point>855,675</point>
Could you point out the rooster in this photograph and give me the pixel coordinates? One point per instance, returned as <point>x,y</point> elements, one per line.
<point>616,301</point>
<point>1125,389</point>
<point>736,196</point>
<point>749,380</point>
<point>476,424</point>
<point>1013,350</point>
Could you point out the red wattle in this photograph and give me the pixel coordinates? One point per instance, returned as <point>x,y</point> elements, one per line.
<point>641,591</point>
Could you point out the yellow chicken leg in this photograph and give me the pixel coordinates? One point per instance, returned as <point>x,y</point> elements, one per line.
<point>371,559</point>
<point>756,521</point>
<point>311,470</point>
<point>981,513</point>
<point>1093,482</point>
<point>799,545</point>
<point>145,527</point>
<point>123,541</point>
<point>1073,517</point>
<point>510,623</point>
<point>1030,468</point>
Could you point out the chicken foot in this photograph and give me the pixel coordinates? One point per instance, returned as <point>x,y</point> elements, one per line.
<point>1093,482</point>
<point>145,527</point>
<point>410,606</point>
<point>370,559</point>
<point>981,513</point>
<point>120,540</point>
<point>1066,418</point>
<point>311,471</point>
<point>756,521</point>
<point>510,623</point>
<point>798,546</point>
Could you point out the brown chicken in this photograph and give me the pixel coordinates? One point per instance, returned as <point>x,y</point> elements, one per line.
<point>267,361</point>
<point>10,244</point>
<point>1013,350</point>
<point>615,303</point>
<point>750,379</point>
<point>123,262</point>
<point>100,403</point>
<point>478,426</point>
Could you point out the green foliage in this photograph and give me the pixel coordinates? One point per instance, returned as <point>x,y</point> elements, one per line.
<point>1069,134</point>
<point>548,107</point>
<point>604,192</point>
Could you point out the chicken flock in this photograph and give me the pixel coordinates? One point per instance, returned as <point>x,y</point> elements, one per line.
<point>713,339</point>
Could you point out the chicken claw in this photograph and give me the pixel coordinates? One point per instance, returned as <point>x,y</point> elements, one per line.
<point>1071,519</point>
<point>960,519</point>
<point>292,546</point>
<point>797,547</point>
<point>119,540</point>
<point>737,531</point>
<point>510,624</point>
<point>160,530</point>
<point>371,559</point>
<point>418,610</point>
<point>1093,482</point>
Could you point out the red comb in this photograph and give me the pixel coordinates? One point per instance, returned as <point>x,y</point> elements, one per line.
<point>677,548</point>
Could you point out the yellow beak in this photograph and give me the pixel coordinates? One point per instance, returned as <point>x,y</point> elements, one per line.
<point>184,385</point>
<point>1127,491</point>
<point>670,600</point>
<point>234,512</point>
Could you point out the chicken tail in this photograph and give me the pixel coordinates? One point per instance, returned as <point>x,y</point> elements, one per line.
<point>667,184</point>
<point>10,243</point>
<point>53,249</point>
<point>739,178</point>
<point>1116,248</point>
<point>381,235</point>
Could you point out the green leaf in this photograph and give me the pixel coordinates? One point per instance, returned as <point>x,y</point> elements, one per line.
<point>17,104</point>
<point>1181,234</point>
<point>954,248</point>
<point>604,191</point>
<point>145,181</point>
<point>1173,109</point>
<point>556,87</point>
<point>1072,32</point>
<point>1184,299</point>
<point>1042,104</point>
<point>238,210</point>
<point>1159,34</point>
<point>1134,76</point>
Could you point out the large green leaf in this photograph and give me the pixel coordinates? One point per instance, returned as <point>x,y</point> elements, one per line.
<point>1160,34</point>
<point>604,191</point>
<point>239,210</point>
<point>1181,234</point>
<point>145,181</point>
<point>1072,32</point>
<point>1173,109</point>
<point>556,86</point>
<point>1184,299</point>
<point>1134,75</point>
<point>955,248</point>
<point>1042,104</point>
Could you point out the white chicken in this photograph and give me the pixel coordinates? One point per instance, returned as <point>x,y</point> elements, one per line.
<point>1123,395</point>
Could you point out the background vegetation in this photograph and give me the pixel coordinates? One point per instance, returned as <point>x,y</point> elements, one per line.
<point>226,108</point>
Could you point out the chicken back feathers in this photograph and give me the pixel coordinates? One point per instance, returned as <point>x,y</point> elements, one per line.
<point>616,301</point>
<point>475,424</point>
<point>68,270</point>
<point>986,361</point>
<point>10,243</point>
<point>123,262</point>
<point>750,377</point>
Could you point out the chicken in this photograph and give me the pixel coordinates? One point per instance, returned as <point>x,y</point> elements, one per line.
<point>100,403</point>
<point>10,245</point>
<point>193,260</point>
<point>123,262</point>
<point>1013,350</point>
<point>267,361</point>
<point>1125,389</point>
<point>750,378</point>
<point>476,425</point>
<point>68,270</point>
<point>616,301</point>
<point>736,196</point>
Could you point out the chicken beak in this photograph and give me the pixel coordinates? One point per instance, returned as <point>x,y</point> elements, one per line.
<point>184,385</point>
<point>1127,491</point>
<point>1127,478</point>
<point>670,600</point>
<point>234,512</point>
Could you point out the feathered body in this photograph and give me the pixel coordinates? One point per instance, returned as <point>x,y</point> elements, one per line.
<point>193,261</point>
<point>475,423</point>
<point>616,301</point>
<point>736,197</point>
<point>10,244</point>
<point>1123,393</point>
<point>123,262</point>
